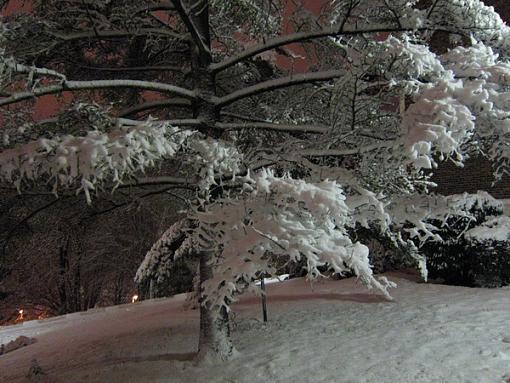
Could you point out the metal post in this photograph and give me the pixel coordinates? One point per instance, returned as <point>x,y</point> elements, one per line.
<point>151,289</point>
<point>264,307</point>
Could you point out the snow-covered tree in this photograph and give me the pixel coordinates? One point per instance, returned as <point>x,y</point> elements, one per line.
<point>171,261</point>
<point>284,162</point>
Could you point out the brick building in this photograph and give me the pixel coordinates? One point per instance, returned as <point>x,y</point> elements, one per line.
<point>475,175</point>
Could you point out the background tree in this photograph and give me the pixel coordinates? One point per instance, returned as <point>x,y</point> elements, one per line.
<point>282,163</point>
<point>66,256</point>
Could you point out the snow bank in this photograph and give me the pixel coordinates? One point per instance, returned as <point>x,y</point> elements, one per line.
<point>496,229</point>
<point>332,331</point>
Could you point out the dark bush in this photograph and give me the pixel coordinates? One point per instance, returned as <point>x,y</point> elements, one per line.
<point>475,250</point>
<point>384,253</point>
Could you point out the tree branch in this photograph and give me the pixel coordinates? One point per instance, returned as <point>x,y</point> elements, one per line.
<point>196,122</point>
<point>20,68</point>
<point>26,219</point>
<point>191,184</point>
<point>100,34</point>
<point>163,6</point>
<point>135,69</point>
<point>272,126</point>
<point>97,84</point>
<point>279,83</point>
<point>432,7</point>
<point>190,122</point>
<point>165,190</point>
<point>300,37</point>
<point>197,37</point>
<point>163,180</point>
<point>346,152</point>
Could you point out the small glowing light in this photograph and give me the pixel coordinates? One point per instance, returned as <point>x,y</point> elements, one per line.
<point>20,315</point>
<point>134,299</point>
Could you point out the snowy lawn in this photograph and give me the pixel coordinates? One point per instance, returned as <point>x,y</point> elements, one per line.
<point>335,331</point>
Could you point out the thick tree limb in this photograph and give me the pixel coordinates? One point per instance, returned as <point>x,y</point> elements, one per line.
<point>279,83</point>
<point>197,37</point>
<point>155,68</point>
<point>20,68</point>
<point>299,37</point>
<point>185,183</point>
<point>196,122</point>
<point>191,122</point>
<point>97,84</point>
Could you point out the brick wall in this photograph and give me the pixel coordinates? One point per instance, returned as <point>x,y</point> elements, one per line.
<point>475,175</point>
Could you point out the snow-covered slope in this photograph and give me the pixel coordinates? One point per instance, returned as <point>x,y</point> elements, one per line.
<point>506,206</point>
<point>335,331</point>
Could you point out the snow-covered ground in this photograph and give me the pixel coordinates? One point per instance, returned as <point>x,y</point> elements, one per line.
<point>335,331</point>
<point>506,206</point>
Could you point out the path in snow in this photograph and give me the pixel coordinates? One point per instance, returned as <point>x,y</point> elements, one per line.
<point>335,332</point>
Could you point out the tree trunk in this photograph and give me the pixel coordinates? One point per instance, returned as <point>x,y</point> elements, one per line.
<point>214,342</point>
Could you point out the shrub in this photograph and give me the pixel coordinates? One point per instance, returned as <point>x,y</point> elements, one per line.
<point>475,247</point>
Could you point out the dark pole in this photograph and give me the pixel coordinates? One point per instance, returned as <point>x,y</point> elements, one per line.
<point>151,289</point>
<point>264,307</point>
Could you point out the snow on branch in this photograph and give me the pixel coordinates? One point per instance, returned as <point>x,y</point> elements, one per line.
<point>253,17</point>
<point>96,84</point>
<point>284,217</point>
<point>419,219</point>
<point>411,59</point>
<point>468,99</point>
<point>475,19</point>
<point>93,159</point>
<point>279,83</point>
<point>300,37</point>
<point>495,229</point>
<point>175,243</point>
<point>356,18</point>
<point>417,214</point>
<point>8,67</point>
<point>213,159</point>
<point>438,123</point>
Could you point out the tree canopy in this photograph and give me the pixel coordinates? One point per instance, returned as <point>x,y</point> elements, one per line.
<point>284,161</point>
